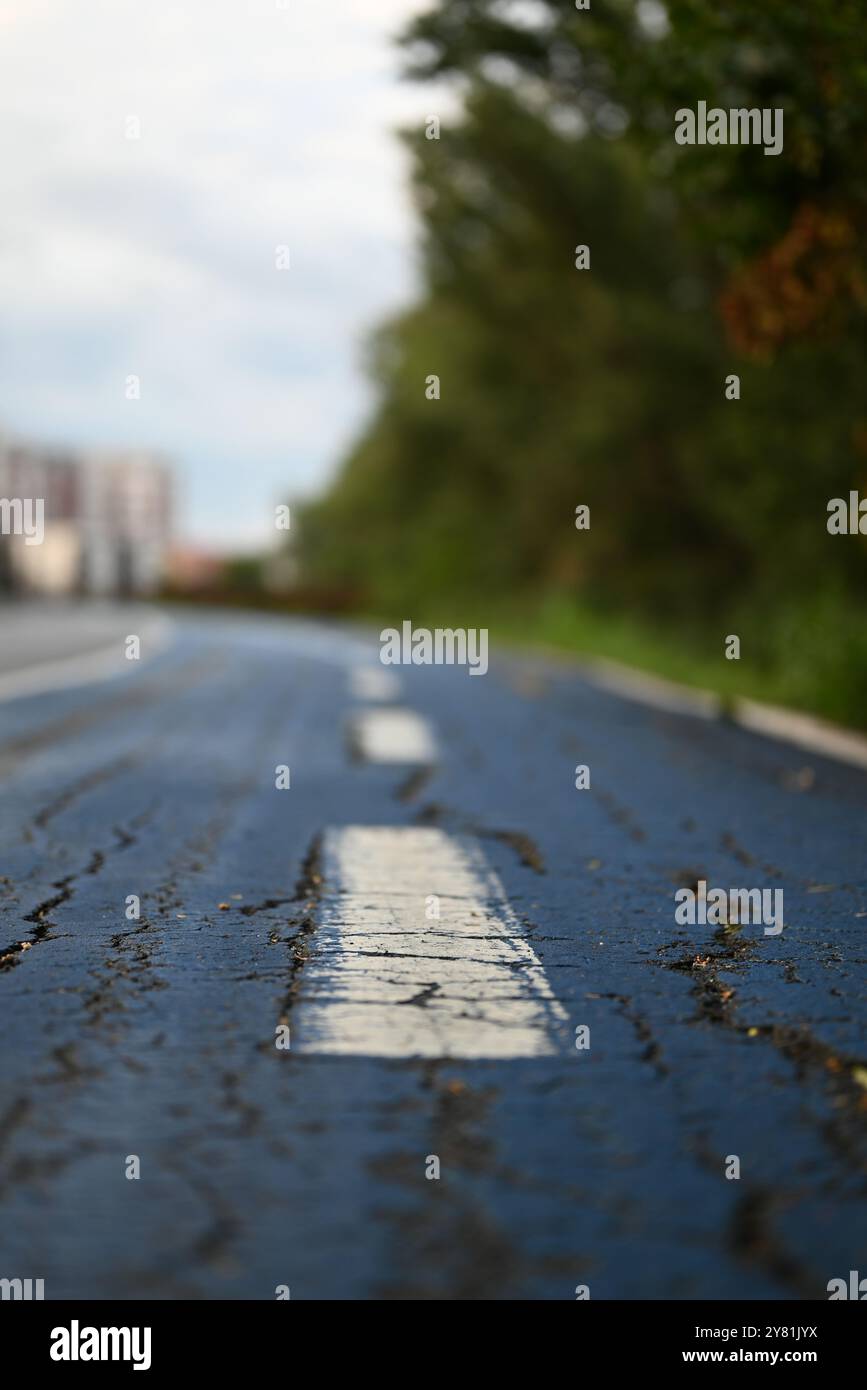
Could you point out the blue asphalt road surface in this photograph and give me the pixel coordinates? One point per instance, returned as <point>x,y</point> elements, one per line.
<point>263,1167</point>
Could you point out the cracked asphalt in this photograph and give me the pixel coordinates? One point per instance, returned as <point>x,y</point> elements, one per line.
<point>263,1167</point>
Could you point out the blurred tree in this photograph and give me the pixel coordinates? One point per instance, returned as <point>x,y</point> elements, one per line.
<point>605,386</point>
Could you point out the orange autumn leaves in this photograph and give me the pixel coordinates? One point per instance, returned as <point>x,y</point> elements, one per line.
<point>804,283</point>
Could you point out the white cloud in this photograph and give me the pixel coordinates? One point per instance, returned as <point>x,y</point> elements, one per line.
<point>260,127</point>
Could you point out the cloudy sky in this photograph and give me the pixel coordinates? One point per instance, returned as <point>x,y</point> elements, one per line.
<point>263,123</point>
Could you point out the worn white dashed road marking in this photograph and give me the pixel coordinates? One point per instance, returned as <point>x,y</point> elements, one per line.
<point>393,736</point>
<point>373,683</point>
<point>382,980</point>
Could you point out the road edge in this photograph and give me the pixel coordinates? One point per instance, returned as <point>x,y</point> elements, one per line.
<point>88,669</point>
<point>805,731</point>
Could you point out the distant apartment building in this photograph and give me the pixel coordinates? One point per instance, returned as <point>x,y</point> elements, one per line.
<point>107,521</point>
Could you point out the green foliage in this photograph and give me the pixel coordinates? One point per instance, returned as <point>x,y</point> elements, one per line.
<point>606,386</point>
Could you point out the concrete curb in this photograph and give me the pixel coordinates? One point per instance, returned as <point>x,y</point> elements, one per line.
<point>805,731</point>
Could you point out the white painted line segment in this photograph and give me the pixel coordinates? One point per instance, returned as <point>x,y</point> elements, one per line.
<point>384,980</point>
<point>394,736</point>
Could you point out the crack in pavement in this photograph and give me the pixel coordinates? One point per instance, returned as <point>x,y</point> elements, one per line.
<point>15,751</point>
<point>40,914</point>
<point>842,1075</point>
